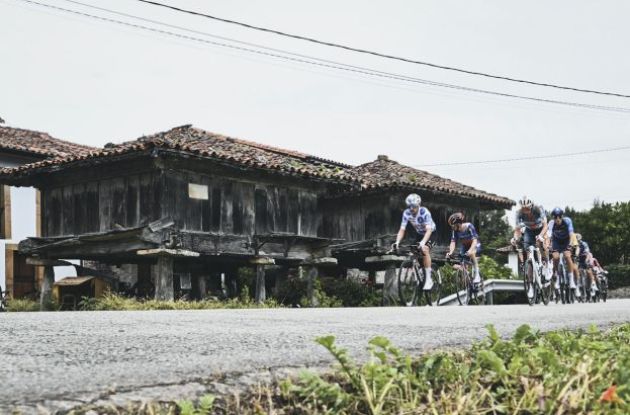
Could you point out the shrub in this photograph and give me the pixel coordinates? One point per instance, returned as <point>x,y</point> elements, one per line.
<point>21,304</point>
<point>490,269</point>
<point>351,293</point>
<point>114,302</point>
<point>618,275</point>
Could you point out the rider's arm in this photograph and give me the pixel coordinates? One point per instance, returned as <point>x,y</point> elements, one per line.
<point>543,231</point>
<point>403,227</point>
<point>451,248</point>
<point>427,235</point>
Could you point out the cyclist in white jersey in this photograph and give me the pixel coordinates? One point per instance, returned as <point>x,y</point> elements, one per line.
<point>422,222</point>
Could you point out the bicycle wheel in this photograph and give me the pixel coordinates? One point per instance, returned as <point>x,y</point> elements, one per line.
<point>530,284</point>
<point>407,284</point>
<point>546,291</point>
<point>432,296</point>
<point>476,293</point>
<point>461,286</point>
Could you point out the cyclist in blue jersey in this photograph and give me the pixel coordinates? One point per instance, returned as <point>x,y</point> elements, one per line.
<point>585,261</point>
<point>420,219</point>
<point>560,230</point>
<point>466,234</point>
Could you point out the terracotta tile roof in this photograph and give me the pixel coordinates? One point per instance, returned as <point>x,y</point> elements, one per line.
<point>380,174</point>
<point>385,173</point>
<point>206,144</point>
<point>38,143</point>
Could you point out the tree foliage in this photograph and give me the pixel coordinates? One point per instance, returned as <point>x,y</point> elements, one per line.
<point>494,232</point>
<point>606,229</point>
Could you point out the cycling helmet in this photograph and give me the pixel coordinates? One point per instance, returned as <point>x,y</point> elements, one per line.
<point>557,212</point>
<point>413,200</point>
<point>578,236</point>
<point>456,218</point>
<point>526,202</point>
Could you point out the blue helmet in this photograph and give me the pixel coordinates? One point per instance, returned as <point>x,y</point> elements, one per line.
<point>557,212</point>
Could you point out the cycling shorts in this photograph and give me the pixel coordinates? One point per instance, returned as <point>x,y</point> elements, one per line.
<point>560,245</point>
<point>463,251</point>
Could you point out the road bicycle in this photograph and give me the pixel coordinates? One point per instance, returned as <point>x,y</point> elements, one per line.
<point>534,274</point>
<point>602,282</point>
<point>467,291</point>
<point>411,278</point>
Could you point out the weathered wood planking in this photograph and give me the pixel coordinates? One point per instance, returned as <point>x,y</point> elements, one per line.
<point>369,216</point>
<point>95,206</point>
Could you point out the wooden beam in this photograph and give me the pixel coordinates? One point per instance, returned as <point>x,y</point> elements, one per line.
<point>9,268</point>
<point>167,252</point>
<point>45,262</point>
<point>6,222</point>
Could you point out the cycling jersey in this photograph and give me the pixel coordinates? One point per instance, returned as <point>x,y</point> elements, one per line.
<point>562,231</point>
<point>584,249</point>
<point>534,219</point>
<point>419,221</point>
<point>466,236</point>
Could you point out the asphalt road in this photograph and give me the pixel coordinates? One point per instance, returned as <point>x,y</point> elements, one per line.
<point>65,359</point>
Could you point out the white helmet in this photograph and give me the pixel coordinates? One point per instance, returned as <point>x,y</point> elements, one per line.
<point>526,202</point>
<point>413,200</point>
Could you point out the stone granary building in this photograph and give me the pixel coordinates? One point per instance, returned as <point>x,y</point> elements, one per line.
<point>20,207</point>
<point>187,205</point>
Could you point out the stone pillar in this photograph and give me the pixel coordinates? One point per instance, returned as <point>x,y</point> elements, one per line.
<point>45,298</point>
<point>390,286</point>
<point>313,269</point>
<point>164,289</point>
<point>311,277</point>
<point>261,293</point>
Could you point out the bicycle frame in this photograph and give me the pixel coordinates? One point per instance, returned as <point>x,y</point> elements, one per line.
<point>472,293</point>
<point>411,280</point>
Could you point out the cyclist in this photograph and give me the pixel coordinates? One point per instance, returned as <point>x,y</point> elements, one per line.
<point>531,225</point>
<point>466,233</point>
<point>585,261</point>
<point>422,222</point>
<point>562,241</point>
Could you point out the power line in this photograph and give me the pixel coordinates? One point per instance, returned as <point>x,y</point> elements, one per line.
<point>304,59</point>
<point>549,156</point>
<point>379,54</point>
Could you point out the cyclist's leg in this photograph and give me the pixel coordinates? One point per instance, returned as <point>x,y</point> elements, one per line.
<point>473,258</point>
<point>591,275</point>
<point>571,266</point>
<point>426,262</point>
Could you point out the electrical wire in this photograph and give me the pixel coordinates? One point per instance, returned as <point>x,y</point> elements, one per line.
<point>540,157</point>
<point>304,59</point>
<point>379,54</point>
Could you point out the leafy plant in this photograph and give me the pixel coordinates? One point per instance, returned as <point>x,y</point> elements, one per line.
<point>20,304</point>
<point>203,407</point>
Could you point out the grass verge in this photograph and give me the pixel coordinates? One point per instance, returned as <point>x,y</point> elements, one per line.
<point>562,372</point>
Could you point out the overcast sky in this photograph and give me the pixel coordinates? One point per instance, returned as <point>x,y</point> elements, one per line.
<point>94,82</point>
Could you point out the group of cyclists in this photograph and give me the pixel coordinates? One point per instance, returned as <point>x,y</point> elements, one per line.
<point>463,232</point>
<point>555,235</point>
<point>558,236</point>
